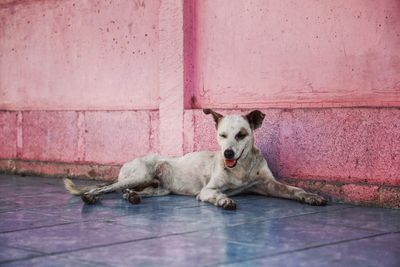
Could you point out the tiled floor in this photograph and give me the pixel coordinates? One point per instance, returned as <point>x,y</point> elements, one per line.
<point>41,225</point>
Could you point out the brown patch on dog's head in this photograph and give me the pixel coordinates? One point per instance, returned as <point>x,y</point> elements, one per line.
<point>255,119</point>
<point>216,116</point>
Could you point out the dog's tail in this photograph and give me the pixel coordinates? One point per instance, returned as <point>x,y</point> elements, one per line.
<point>80,190</point>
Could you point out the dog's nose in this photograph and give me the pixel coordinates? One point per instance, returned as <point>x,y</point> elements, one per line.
<point>229,154</point>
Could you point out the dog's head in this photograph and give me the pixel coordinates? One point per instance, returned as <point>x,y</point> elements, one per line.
<point>235,134</point>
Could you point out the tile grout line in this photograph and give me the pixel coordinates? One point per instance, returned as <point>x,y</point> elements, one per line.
<point>44,254</point>
<point>119,216</point>
<point>22,248</point>
<point>308,248</point>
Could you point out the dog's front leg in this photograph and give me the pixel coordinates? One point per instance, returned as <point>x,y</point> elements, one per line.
<point>271,187</point>
<point>276,189</point>
<point>217,198</point>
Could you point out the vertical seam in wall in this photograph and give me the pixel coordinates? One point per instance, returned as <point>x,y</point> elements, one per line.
<point>279,145</point>
<point>171,78</point>
<point>194,132</point>
<point>19,141</point>
<point>183,131</point>
<point>81,135</point>
<point>189,53</point>
<point>151,133</point>
<point>194,147</point>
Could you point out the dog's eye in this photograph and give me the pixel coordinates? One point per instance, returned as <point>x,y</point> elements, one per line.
<point>223,135</point>
<point>240,136</point>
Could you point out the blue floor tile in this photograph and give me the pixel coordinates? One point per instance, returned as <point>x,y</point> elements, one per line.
<point>376,251</point>
<point>9,254</point>
<point>28,186</point>
<point>38,200</point>
<point>175,250</point>
<point>360,217</point>
<point>25,219</point>
<point>224,244</point>
<point>53,261</point>
<point>72,236</point>
<point>42,225</point>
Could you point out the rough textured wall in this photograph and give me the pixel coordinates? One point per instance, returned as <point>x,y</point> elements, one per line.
<point>292,53</point>
<point>47,138</point>
<point>68,55</point>
<point>334,144</point>
<point>79,81</point>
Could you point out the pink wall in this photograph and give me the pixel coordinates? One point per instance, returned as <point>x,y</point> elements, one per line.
<point>292,53</point>
<point>358,145</point>
<point>88,85</point>
<point>79,55</point>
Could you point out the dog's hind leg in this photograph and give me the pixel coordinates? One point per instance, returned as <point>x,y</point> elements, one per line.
<point>89,197</point>
<point>150,189</point>
<point>135,197</point>
<point>132,196</point>
<point>154,192</point>
<point>138,173</point>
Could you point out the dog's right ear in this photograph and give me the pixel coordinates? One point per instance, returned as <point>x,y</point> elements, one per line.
<point>255,119</point>
<point>217,117</point>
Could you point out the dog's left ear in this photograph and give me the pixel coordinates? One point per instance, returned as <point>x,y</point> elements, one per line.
<point>255,119</point>
<point>217,117</point>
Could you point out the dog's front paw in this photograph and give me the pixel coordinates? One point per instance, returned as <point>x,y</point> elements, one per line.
<point>227,204</point>
<point>314,199</point>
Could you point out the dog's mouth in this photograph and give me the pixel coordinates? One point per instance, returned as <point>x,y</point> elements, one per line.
<point>231,163</point>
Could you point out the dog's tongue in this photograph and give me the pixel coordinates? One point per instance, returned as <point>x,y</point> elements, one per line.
<point>230,163</point>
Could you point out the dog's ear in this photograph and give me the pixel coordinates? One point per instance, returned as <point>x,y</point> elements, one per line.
<point>255,119</point>
<point>217,117</point>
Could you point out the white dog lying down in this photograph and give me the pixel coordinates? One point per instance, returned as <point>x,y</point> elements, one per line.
<point>211,176</point>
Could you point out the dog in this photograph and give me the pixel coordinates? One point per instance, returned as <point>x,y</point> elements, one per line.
<point>212,177</point>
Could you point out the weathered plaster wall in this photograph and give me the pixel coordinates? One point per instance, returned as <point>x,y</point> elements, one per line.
<point>292,53</point>
<point>86,55</point>
<point>88,85</point>
<point>79,80</point>
<point>360,145</point>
